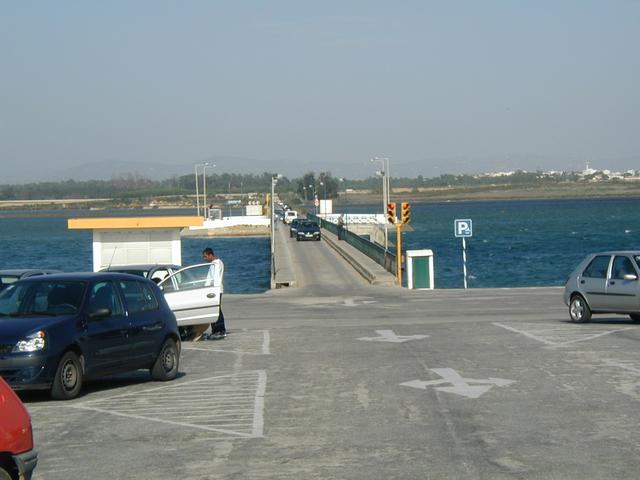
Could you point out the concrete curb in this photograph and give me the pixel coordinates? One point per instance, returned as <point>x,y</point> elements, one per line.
<point>365,266</point>
<point>283,274</point>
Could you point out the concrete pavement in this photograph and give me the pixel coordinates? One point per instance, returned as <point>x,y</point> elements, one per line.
<point>368,383</point>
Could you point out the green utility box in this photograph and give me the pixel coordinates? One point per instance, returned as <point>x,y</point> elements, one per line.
<point>420,269</point>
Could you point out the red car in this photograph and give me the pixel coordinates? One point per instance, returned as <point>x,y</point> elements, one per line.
<point>17,456</point>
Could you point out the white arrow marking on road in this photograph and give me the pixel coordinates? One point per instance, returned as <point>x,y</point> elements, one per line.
<point>350,302</point>
<point>460,385</point>
<point>390,336</point>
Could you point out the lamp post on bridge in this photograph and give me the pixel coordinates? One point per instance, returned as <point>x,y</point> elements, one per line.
<point>274,180</point>
<point>384,173</point>
<point>314,197</point>
<point>205,208</point>
<point>346,202</point>
<point>204,165</point>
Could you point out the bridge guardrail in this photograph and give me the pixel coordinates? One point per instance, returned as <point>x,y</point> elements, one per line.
<point>374,251</point>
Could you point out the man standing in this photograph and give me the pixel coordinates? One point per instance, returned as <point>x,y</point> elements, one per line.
<point>341,227</point>
<point>216,273</point>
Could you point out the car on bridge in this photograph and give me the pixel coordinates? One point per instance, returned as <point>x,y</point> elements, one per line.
<point>289,215</point>
<point>606,282</point>
<point>293,227</point>
<point>58,330</point>
<point>308,230</point>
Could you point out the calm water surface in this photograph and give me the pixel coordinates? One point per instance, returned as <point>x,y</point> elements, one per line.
<point>41,239</point>
<point>514,243</point>
<point>521,243</point>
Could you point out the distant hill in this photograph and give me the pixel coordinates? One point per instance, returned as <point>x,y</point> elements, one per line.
<point>109,169</point>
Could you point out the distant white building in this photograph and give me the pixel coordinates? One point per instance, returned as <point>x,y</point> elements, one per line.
<point>588,170</point>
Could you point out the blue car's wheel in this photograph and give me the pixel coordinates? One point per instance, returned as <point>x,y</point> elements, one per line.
<point>68,380</point>
<point>166,365</point>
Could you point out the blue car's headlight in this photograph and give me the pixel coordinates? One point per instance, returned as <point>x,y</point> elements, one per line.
<point>32,343</point>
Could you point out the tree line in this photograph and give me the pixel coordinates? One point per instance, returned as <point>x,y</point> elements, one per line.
<point>322,185</point>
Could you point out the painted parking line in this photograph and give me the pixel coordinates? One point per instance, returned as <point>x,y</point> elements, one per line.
<point>627,366</point>
<point>245,342</point>
<point>232,404</point>
<point>561,335</point>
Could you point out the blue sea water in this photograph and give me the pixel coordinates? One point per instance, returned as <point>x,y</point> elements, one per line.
<point>41,239</point>
<point>520,243</point>
<point>514,243</point>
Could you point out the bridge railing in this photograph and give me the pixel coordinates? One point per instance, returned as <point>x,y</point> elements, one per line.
<point>374,251</point>
<point>356,218</point>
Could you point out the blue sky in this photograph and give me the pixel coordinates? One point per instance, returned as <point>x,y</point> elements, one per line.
<point>296,86</point>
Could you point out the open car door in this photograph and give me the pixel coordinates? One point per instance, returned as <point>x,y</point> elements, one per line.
<point>192,296</point>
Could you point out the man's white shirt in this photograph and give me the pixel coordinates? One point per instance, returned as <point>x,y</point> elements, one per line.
<point>216,274</point>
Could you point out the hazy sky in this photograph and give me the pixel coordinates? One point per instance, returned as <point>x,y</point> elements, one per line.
<point>294,86</point>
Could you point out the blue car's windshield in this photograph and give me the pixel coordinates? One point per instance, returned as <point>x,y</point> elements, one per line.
<point>42,298</point>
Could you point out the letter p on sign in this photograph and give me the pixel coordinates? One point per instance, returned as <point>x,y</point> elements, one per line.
<point>463,228</point>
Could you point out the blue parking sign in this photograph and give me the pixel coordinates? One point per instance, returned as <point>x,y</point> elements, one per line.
<point>463,227</point>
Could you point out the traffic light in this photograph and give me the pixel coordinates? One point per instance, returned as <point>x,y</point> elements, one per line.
<point>391,212</point>
<point>405,212</point>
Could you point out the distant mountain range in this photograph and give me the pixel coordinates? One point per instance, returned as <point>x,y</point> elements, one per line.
<point>109,169</point>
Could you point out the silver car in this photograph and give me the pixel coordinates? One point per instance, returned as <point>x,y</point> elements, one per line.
<point>606,282</point>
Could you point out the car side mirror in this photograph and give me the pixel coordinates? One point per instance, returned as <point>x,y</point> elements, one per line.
<point>100,313</point>
<point>630,276</point>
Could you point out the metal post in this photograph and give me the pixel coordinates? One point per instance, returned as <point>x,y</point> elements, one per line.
<point>399,253</point>
<point>388,174</point>
<point>464,261</point>
<point>197,193</point>
<point>346,207</point>
<point>385,201</point>
<point>273,227</point>
<point>204,190</point>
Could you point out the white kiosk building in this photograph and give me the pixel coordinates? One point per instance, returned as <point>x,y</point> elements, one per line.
<point>135,240</point>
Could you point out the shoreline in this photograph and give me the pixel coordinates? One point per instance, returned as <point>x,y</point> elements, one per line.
<point>95,206</point>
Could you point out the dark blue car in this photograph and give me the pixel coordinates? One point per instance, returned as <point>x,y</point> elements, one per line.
<point>58,330</point>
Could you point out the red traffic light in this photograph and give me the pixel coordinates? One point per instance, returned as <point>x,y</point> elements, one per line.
<point>391,212</point>
<point>405,212</point>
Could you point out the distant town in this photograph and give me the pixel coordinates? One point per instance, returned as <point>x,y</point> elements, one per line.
<point>588,174</point>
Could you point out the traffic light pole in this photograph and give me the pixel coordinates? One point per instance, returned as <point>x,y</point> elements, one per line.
<point>399,253</point>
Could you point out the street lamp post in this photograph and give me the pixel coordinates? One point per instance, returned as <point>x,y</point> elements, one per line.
<point>205,209</point>
<point>197,194</point>
<point>346,202</point>
<point>203,165</point>
<point>274,180</point>
<point>312,189</point>
<point>385,194</point>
